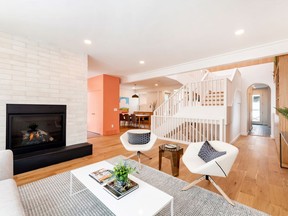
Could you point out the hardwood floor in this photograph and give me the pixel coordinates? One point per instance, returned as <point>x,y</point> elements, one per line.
<point>256,178</point>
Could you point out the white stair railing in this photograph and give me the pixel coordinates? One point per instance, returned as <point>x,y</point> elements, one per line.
<point>203,93</point>
<point>187,130</point>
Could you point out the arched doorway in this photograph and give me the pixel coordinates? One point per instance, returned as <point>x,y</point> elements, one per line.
<point>259,109</point>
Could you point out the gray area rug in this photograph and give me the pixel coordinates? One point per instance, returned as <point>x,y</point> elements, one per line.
<point>50,196</point>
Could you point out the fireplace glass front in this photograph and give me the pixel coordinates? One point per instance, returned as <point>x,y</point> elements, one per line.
<point>35,127</point>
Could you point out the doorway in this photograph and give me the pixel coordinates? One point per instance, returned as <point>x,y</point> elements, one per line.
<point>259,109</point>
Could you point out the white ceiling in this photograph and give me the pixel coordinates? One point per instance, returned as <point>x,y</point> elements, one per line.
<point>149,84</point>
<point>162,32</point>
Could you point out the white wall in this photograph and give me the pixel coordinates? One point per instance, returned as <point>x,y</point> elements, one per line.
<point>133,102</point>
<point>147,97</point>
<point>235,127</point>
<point>256,74</point>
<point>34,73</point>
<point>146,100</point>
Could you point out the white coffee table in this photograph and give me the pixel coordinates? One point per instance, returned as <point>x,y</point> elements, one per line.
<point>145,200</point>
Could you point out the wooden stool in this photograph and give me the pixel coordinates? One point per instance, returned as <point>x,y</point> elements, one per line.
<point>173,154</point>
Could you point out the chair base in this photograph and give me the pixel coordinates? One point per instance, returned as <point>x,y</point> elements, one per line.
<point>207,177</point>
<point>138,154</point>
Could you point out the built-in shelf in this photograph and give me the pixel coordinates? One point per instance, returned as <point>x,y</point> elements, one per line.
<point>283,140</point>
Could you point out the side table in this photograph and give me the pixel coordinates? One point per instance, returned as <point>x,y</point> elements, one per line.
<point>173,154</point>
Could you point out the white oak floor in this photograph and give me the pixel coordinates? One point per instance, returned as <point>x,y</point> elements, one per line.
<point>256,178</point>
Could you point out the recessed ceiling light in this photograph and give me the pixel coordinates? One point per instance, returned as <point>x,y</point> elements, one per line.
<point>88,42</point>
<point>239,32</point>
<point>141,62</point>
<point>156,84</point>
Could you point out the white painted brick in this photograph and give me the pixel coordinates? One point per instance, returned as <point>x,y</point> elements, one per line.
<point>5,66</point>
<point>20,39</point>
<point>18,82</point>
<point>19,87</point>
<point>17,93</point>
<point>5,97</point>
<point>4,75</point>
<point>4,56</point>
<point>5,35</point>
<point>5,45</point>
<point>17,63</point>
<point>31,79</point>
<point>19,48</point>
<point>19,98</point>
<point>19,68</point>
<point>5,82</point>
<point>32,93</point>
<point>31,72</point>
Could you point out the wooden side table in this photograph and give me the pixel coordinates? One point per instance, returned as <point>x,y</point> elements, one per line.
<point>173,154</point>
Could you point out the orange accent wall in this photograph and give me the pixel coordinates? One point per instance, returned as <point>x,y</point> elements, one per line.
<point>103,98</point>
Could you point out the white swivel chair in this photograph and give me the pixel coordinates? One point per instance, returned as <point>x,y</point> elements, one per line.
<point>138,149</point>
<point>219,166</point>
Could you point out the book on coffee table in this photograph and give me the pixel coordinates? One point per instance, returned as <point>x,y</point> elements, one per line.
<point>102,175</point>
<point>119,191</point>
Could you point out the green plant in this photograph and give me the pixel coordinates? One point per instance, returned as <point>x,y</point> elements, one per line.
<point>283,111</point>
<point>121,171</point>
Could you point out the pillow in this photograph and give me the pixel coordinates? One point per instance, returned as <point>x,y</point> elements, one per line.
<point>138,138</point>
<point>208,153</point>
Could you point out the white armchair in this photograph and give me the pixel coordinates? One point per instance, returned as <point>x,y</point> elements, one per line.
<point>138,149</point>
<point>219,166</point>
<point>10,203</point>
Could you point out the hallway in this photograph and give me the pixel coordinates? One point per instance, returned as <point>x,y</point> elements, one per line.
<point>260,130</point>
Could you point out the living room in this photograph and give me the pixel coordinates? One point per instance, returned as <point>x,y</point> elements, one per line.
<point>49,49</point>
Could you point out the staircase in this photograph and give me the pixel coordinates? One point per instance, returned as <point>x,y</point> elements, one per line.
<point>199,110</point>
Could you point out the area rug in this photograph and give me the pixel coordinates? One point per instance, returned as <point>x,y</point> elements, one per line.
<point>50,196</point>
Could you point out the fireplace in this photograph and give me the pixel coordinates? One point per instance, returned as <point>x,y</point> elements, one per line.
<point>32,128</point>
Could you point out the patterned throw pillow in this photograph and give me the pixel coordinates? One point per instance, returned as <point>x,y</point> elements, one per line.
<point>138,138</point>
<point>208,153</point>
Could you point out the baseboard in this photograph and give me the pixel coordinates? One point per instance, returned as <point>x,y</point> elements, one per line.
<point>235,139</point>
<point>244,134</point>
<point>39,159</point>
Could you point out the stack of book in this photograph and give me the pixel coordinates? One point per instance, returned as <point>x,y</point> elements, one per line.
<point>105,177</point>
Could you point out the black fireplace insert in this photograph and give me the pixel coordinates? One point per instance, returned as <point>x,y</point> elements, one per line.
<point>31,127</point>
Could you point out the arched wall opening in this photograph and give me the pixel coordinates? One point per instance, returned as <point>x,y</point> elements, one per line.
<point>259,109</point>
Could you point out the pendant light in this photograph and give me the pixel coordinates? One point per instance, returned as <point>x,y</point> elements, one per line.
<point>135,95</point>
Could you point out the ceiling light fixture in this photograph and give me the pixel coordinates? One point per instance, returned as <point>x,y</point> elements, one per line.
<point>142,62</point>
<point>156,84</point>
<point>239,32</point>
<point>88,42</point>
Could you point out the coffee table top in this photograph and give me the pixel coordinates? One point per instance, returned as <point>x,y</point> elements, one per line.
<point>146,200</point>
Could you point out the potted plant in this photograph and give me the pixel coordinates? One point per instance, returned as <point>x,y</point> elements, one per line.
<point>121,171</point>
<point>283,111</point>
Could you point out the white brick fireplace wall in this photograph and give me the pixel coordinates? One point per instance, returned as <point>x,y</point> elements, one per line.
<point>33,73</point>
